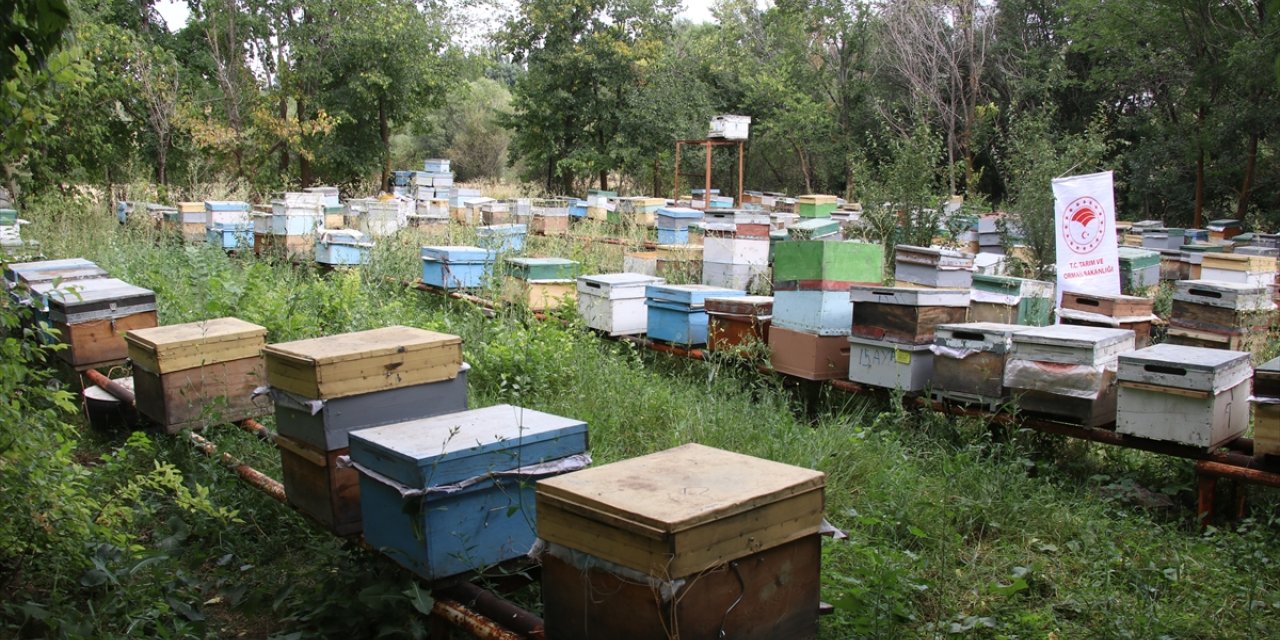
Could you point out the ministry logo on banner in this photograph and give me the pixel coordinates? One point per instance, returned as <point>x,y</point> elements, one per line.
<point>1085,213</point>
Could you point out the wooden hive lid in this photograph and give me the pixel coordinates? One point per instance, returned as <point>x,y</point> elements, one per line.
<point>178,347</point>
<point>678,489</point>
<point>360,344</point>
<point>1185,367</point>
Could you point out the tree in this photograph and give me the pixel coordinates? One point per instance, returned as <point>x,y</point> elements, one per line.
<point>585,60</point>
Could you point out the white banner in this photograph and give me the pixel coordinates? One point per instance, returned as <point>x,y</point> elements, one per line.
<point>1085,213</point>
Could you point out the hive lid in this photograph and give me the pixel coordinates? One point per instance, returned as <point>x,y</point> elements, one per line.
<point>361,344</point>
<point>680,488</point>
<point>104,294</point>
<point>458,253</point>
<point>1072,344</point>
<point>679,212</point>
<point>179,347</point>
<point>452,447</point>
<point>909,296</point>
<point>622,279</point>
<point>1184,367</point>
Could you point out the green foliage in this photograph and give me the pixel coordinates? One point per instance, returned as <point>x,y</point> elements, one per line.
<point>1036,155</point>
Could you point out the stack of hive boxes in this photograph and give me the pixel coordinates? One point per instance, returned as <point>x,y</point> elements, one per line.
<point>990,239</point>
<point>679,262</point>
<point>194,221</point>
<point>811,310</point>
<point>614,303</point>
<point>692,542</point>
<point>454,493</point>
<point>636,212</point>
<point>677,312</point>
<point>229,225</point>
<point>294,221</point>
<point>198,374</point>
<point>1067,372</point>
<point>459,201</point>
<point>892,331</point>
<point>326,388</point>
<point>92,316</point>
<point>1266,409</point>
<point>735,249</point>
<point>457,267</point>
<point>1190,395</point>
<point>1222,315</point>
<point>1192,255</point>
<point>1140,269</point>
<point>550,216</point>
<point>1120,312</point>
<point>738,321</point>
<point>816,206</point>
<point>599,203</point>
<point>342,248</point>
<point>969,362</point>
<point>540,284</point>
<point>673,224</point>
<point>1009,300</point>
<point>384,217</point>
<point>495,212</point>
<point>433,182</point>
<point>932,267</point>
<point>1240,268</point>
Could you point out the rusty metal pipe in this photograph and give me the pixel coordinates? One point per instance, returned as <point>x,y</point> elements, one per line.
<point>253,477</point>
<point>1255,476</point>
<point>257,429</point>
<point>496,608</point>
<point>111,386</point>
<point>458,615</point>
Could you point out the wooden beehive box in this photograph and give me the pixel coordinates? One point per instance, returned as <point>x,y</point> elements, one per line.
<point>467,506</point>
<point>903,315</point>
<point>1064,372</point>
<point>1266,409</point>
<point>66,270</point>
<point>822,312</point>
<point>933,267</point>
<point>808,356</point>
<point>1189,395</point>
<point>614,302</point>
<point>680,512</point>
<point>815,205</point>
<point>890,365</point>
<point>676,313</point>
<point>200,373</point>
<point>799,264</point>
<point>1008,300</point>
<point>1225,307</point>
<point>325,425</point>
<point>1112,306</point>
<point>733,537</point>
<point>969,361</point>
<point>737,321</point>
<point>364,361</point>
<point>317,486</point>
<point>92,317</point>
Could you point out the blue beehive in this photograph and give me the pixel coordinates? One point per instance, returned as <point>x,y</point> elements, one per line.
<point>458,267</point>
<point>824,313</point>
<point>225,205</point>
<point>677,218</point>
<point>230,235</point>
<point>502,237</point>
<point>676,313</point>
<point>438,495</point>
<point>577,208</point>
<point>342,248</point>
<point>673,236</point>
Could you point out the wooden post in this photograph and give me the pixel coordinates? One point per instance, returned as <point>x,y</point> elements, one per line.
<point>740,187</point>
<point>675,187</point>
<point>706,193</point>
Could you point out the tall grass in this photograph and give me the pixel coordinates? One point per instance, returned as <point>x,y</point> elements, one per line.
<point>955,527</point>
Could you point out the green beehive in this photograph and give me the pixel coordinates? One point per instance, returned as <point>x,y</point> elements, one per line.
<point>815,229</point>
<point>795,260</point>
<point>9,216</point>
<point>1010,300</point>
<point>815,206</point>
<point>542,268</point>
<point>1201,247</point>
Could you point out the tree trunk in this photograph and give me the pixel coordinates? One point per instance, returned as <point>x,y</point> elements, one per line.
<point>657,181</point>
<point>1199,169</point>
<point>284,150</point>
<point>551,175</point>
<point>162,160</point>
<point>384,133</point>
<point>304,165</point>
<point>1251,161</point>
<point>604,179</point>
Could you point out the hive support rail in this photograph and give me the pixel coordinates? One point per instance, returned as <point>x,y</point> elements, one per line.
<point>479,617</point>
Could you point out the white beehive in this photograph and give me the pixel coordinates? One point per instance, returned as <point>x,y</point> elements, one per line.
<point>730,127</point>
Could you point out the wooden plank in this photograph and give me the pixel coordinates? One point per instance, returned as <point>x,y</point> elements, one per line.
<point>1173,391</point>
<point>903,324</point>
<point>190,398</point>
<point>316,486</point>
<point>100,340</point>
